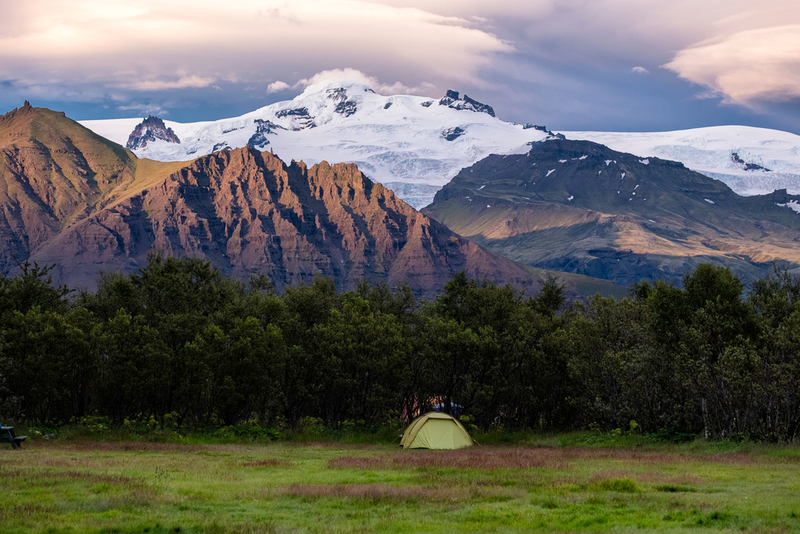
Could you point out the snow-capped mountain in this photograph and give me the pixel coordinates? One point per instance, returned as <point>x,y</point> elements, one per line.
<point>751,161</point>
<point>415,145</point>
<point>411,144</point>
<point>149,130</point>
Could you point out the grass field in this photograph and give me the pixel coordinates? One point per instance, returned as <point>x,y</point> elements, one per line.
<point>132,486</point>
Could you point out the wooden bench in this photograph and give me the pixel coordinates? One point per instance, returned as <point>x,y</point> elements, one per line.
<point>7,435</point>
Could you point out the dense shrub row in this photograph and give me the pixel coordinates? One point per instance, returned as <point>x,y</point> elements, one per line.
<point>181,341</point>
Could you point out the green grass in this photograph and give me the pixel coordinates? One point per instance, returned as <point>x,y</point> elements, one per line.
<point>535,486</point>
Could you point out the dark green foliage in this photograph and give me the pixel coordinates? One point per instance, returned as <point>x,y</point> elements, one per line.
<point>53,362</point>
<point>179,343</point>
<point>32,287</point>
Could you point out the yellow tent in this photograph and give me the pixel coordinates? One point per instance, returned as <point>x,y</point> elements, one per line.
<point>435,431</point>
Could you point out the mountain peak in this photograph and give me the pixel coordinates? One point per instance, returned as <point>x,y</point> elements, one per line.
<point>149,130</point>
<point>26,109</point>
<point>452,99</point>
<point>349,86</point>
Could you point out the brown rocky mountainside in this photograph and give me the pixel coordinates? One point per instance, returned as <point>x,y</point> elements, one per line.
<point>581,207</point>
<point>87,205</point>
<point>53,172</point>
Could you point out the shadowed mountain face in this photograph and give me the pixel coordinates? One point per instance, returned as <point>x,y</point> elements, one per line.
<point>580,207</point>
<point>85,204</point>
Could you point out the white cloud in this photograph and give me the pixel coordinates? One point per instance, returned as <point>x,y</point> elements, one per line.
<point>277,87</point>
<point>183,82</point>
<point>640,70</point>
<point>145,109</point>
<point>746,67</point>
<point>354,75</point>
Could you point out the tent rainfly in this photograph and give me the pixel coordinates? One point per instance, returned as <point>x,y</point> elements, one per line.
<point>435,431</point>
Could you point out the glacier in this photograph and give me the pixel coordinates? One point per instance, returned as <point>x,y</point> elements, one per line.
<point>409,143</point>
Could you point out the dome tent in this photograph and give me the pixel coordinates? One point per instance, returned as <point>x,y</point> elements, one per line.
<point>435,431</point>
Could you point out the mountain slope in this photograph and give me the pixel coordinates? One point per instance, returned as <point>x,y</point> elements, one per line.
<point>581,207</point>
<point>53,171</point>
<point>251,214</point>
<point>72,198</point>
<point>751,161</point>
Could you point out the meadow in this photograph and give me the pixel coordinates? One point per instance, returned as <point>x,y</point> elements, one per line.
<point>555,484</point>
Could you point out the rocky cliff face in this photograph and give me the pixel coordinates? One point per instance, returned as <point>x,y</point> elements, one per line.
<point>249,213</point>
<point>149,130</point>
<point>452,99</point>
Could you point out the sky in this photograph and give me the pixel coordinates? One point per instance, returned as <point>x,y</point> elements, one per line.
<point>610,65</point>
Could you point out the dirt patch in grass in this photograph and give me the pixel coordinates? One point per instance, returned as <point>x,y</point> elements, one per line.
<point>39,476</point>
<point>16,511</point>
<point>267,462</point>
<point>143,446</point>
<point>522,458</point>
<point>385,492</point>
<point>464,459</point>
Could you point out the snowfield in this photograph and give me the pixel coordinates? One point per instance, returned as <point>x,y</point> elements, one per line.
<point>415,145</point>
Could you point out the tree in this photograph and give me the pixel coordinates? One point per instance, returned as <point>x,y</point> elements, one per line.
<point>362,355</point>
<point>53,363</point>
<point>706,328</point>
<point>32,287</point>
<point>134,369</point>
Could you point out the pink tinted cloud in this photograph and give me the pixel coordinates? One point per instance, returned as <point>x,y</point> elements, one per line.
<point>746,67</point>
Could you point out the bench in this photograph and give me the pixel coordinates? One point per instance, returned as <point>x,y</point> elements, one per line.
<point>7,435</point>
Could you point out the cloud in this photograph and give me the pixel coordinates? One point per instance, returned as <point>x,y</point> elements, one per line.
<point>145,109</point>
<point>746,67</point>
<point>88,41</point>
<point>514,54</point>
<point>480,9</point>
<point>354,75</point>
<point>183,82</point>
<point>277,87</point>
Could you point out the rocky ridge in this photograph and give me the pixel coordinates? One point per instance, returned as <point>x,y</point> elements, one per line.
<point>452,99</point>
<point>249,213</point>
<point>149,130</point>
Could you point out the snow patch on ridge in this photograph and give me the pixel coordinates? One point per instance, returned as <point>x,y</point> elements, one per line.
<point>792,204</point>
